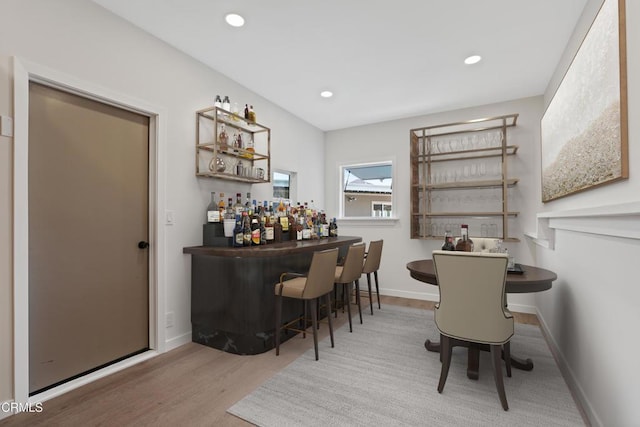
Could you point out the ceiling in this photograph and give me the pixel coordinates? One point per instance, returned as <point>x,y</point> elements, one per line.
<point>383,60</point>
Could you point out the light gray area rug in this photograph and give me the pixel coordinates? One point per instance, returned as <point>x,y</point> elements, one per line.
<point>381,375</point>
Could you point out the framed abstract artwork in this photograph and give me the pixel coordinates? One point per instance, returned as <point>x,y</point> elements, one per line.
<point>584,128</point>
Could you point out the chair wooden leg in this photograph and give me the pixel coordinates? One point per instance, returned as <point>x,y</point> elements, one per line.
<point>314,325</point>
<point>507,357</point>
<point>329,320</point>
<point>375,275</point>
<point>335,298</point>
<point>497,374</point>
<point>445,353</point>
<point>358,299</point>
<point>369,286</point>
<point>278,319</point>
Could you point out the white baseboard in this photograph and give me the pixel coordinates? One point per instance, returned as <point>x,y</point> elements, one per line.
<point>5,409</point>
<point>574,386</point>
<point>178,341</point>
<point>425,296</point>
<point>86,379</point>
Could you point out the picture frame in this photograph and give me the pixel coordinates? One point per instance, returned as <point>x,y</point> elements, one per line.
<point>584,133</point>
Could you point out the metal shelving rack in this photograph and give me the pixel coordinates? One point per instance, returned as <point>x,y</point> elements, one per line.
<point>209,150</point>
<point>439,155</point>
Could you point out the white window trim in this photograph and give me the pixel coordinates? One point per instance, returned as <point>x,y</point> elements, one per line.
<point>366,220</point>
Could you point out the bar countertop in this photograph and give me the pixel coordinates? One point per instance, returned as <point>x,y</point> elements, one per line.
<point>274,249</point>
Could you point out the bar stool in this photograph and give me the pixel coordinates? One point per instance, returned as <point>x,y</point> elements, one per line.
<point>371,265</point>
<point>348,273</point>
<point>310,288</point>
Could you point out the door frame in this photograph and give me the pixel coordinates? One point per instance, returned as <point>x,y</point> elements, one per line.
<point>25,71</point>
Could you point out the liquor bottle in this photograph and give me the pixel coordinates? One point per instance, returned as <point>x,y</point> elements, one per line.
<point>270,231</point>
<point>299,229</point>
<point>223,137</point>
<point>277,230</point>
<point>252,114</point>
<point>246,112</point>
<point>226,104</point>
<point>221,207</point>
<point>464,244</point>
<point>325,225</point>
<point>246,230</point>
<point>306,231</point>
<point>247,204</point>
<point>218,102</point>
<point>238,206</point>
<point>333,228</point>
<point>255,231</point>
<point>263,229</point>
<point>213,214</point>
<point>235,111</point>
<point>238,233</point>
<point>250,149</point>
<point>448,241</point>
<point>230,212</point>
<point>238,141</point>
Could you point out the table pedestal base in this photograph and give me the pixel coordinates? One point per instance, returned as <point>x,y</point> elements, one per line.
<point>473,358</point>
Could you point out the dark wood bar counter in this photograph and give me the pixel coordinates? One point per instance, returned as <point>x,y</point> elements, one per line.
<point>232,300</point>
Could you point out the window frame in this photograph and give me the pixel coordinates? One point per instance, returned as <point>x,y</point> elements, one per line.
<point>364,220</point>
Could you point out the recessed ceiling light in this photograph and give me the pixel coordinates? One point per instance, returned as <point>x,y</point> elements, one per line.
<point>473,59</point>
<point>326,94</point>
<point>234,20</point>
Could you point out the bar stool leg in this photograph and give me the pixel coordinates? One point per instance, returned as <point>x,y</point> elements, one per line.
<point>314,325</point>
<point>328,296</point>
<point>369,286</point>
<point>278,319</point>
<point>375,274</point>
<point>358,299</point>
<point>345,298</point>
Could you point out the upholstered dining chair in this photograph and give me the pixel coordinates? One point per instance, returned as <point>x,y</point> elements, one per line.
<point>349,273</point>
<point>316,284</point>
<point>371,265</point>
<point>471,308</point>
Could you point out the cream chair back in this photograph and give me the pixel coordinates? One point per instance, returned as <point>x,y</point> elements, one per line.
<point>472,287</point>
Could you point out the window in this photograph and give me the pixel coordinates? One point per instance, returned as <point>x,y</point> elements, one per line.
<point>284,183</point>
<point>381,209</point>
<point>366,190</point>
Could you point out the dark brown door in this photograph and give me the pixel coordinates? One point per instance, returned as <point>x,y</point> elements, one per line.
<point>88,211</point>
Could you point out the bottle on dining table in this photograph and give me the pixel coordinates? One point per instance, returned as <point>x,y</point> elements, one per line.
<point>448,241</point>
<point>465,243</point>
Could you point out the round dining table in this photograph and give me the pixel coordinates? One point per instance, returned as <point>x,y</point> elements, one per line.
<point>526,279</point>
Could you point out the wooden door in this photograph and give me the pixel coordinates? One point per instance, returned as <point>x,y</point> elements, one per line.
<point>88,211</point>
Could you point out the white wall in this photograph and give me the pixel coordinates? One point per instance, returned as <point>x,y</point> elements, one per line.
<point>592,311</point>
<point>82,40</point>
<point>390,140</point>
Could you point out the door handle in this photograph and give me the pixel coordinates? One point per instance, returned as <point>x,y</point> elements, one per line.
<point>143,245</point>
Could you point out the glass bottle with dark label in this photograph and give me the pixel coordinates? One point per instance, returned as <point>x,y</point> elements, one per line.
<point>255,231</point>
<point>238,233</point>
<point>333,228</point>
<point>246,230</point>
<point>448,241</point>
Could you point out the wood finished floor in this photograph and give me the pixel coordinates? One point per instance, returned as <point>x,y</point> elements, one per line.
<point>192,385</point>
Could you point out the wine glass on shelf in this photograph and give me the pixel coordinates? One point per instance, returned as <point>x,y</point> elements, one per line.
<point>482,169</point>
